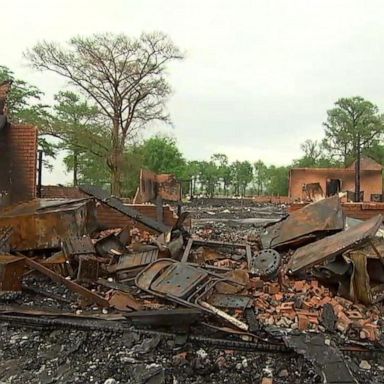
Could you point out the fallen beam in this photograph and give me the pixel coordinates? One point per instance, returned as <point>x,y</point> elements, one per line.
<point>116,204</point>
<point>71,285</point>
<point>119,327</point>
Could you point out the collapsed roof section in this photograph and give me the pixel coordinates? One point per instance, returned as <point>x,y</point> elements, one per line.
<point>321,218</point>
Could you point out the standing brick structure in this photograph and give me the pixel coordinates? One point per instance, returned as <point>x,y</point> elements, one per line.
<point>343,178</point>
<point>18,156</point>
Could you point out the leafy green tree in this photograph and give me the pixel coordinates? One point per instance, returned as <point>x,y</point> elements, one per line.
<point>209,176</point>
<point>312,153</point>
<point>242,173</point>
<point>224,170</point>
<point>92,169</point>
<point>192,171</point>
<point>278,181</point>
<point>261,174</point>
<point>161,155</point>
<point>190,177</point>
<point>76,123</point>
<point>125,78</point>
<point>24,100</point>
<point>376,152</point>
<point>315,156</point>
<point>353,125</point>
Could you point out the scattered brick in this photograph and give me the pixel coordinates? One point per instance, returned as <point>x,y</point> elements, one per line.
<point>300,286</point>
<point>303,322</point>
<point>256,283</point>
<point>278,296</point>
<point>272,288</point>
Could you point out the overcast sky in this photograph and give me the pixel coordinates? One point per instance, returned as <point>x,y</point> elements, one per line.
<point>257,78</point>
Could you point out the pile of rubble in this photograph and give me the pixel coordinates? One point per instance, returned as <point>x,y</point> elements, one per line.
<point>311,283</point>
<point>233,210</point>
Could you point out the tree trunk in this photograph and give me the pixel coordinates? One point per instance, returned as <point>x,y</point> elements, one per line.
<point>75,167</point>
<point>357,169</point>
<point>116,182</point>
<point>345,156</point>
<point>116,160</point>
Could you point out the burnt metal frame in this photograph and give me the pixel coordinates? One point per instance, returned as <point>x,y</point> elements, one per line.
<point>216,244</point>
<point>203,286</point>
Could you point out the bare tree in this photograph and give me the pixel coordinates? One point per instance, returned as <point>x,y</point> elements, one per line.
<point>125,78</point>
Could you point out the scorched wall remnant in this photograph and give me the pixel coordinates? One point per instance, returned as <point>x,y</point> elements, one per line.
<point>334,180</point>
<point>18,157</point>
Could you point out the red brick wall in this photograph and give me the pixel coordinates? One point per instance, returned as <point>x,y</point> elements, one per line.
<point>371,180</point>
<point>111,218</point>
<point>272,199</point>
<point>56,191</point>
<point>108,217</point>
<point>18,163</point>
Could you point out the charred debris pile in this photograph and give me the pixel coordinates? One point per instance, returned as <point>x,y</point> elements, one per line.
<point>313,275</point>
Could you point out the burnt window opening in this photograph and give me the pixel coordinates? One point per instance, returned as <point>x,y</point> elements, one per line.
<point>333,187</point>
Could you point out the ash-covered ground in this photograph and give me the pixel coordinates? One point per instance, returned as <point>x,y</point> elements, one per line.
<point>67,355</point>
<point>71,356</point>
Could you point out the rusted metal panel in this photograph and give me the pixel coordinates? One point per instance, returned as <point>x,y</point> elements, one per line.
<point>123,301</point>
<point>179,280</point>
<point>138,259</point>
<point>222,300</point>
<point>321,250</point>
<point>317,219</point>
<point>44,223</point>
<point>11,272</point>
<point>75,246</point>
<point>145,278</point>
